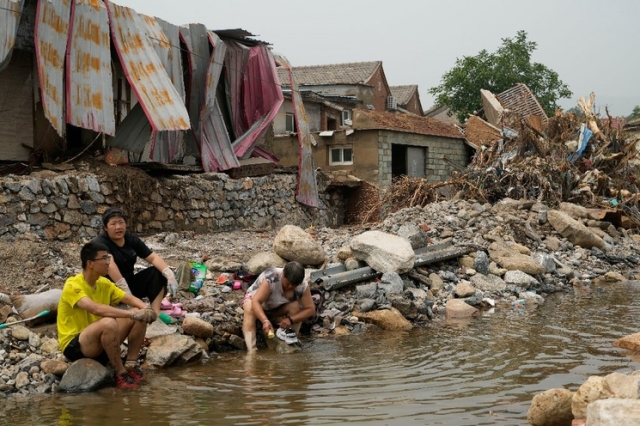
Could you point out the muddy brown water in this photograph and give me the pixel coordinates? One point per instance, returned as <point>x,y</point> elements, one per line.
<point>481,372</point>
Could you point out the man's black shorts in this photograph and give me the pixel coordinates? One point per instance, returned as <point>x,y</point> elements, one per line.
<point>73,352</point>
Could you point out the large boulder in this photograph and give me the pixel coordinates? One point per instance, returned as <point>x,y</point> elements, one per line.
<point>614,412</point>
<point>551,408</point>
<point>622,385</point>
<point>591,390</point>
<point>166,350</point>
<point>514,261</point>
<point>85,375</point>
<point>293,243</point>
<point>573,230</point>
<point>631,342</point>
<point>383,252</point>
<point>387,319</point>
<point>264,260</point>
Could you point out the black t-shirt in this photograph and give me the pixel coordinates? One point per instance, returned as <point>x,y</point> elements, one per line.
<point>126,256</point>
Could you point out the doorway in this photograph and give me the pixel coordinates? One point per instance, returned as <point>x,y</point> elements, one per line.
<point>409,160</point>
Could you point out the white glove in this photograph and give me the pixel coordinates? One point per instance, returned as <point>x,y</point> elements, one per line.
<point>172,283</point>
<point>122,285</point>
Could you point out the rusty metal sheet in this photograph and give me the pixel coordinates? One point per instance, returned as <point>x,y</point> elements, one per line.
<point>237,58</point>
<point>157,95</point>
<point>262,98</point>
<point>10,14</point>
<point>215,144</point>
<point>307,189</point>
<point>165,39</point>
<point>51,35</point>
<point>89,80</point>
<point>196,39</point>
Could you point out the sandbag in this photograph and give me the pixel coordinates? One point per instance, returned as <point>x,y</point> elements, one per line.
<point>32,304</point>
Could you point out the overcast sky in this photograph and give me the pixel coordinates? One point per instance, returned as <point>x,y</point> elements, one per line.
<point>591,44</point>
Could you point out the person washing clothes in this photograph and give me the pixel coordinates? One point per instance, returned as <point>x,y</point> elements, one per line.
<point>152,282</point>
<point>279,294</point>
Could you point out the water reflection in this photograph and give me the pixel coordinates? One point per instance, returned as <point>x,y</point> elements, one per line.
<point>479,372</point>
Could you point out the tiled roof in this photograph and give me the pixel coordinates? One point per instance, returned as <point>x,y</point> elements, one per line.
<point>368,119</point>
<point>403,93</point>
<point>317,75</point>
<point>520,100</point>
<point>479,132</point>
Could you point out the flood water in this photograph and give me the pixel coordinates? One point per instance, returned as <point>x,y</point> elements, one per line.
<point>481,372</point>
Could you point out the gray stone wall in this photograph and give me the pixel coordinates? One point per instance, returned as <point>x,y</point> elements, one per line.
<point>439,148</point>
<point>47,205</point>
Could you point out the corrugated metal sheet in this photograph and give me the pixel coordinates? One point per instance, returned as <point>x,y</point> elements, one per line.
<point>51,34</point>
<point>165,39</point>
<point>196,38</point>
<point>262,98</point>
<point>236,61</point>
<point>10,14</point>
<point>16,108</point>
<point>158,97</point>
<point>134,132</point>
<point>307,190</point>
<point>215,144</point>
<point>89,79</point>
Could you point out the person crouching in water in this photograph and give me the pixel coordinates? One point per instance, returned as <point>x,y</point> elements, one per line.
<point>279,294</point>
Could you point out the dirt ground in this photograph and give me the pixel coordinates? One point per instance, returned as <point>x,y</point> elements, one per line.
<point>29,266</point>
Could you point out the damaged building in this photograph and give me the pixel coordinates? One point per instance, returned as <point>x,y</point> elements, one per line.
<point>93,74</point>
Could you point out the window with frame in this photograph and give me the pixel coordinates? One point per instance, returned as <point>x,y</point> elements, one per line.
<point>340,155</point>
<point>290,123</point>
<point>346,117</point>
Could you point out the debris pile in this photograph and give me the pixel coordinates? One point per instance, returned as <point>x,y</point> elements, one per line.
<point>523,154</point>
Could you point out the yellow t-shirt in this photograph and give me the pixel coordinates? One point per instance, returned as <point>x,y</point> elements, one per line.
<point>73,319</point>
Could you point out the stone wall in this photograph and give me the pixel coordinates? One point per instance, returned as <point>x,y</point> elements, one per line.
<point>439,148</point>
<point>49,205</point>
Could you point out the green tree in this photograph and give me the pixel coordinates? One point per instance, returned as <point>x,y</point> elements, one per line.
<point>635,113</point>
<point>576,111</point>
<point>459,88</point>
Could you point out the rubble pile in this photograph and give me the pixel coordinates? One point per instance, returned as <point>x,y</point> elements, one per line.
<point>581,159</point>
<point>522,154</point>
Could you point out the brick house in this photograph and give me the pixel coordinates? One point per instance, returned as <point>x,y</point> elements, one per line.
<point>348,86</point>
<point>408,98</point>
<point>383,145</point>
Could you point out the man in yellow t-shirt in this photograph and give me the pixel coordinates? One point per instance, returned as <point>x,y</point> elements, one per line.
<point>89,324</point>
